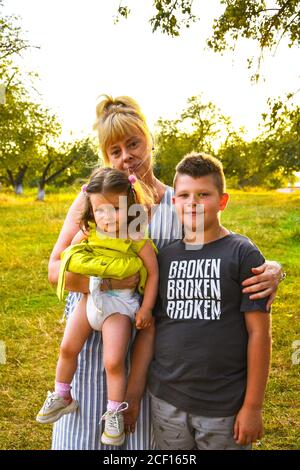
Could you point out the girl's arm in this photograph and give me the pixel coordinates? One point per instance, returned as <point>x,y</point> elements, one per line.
<point>144,315</point>
<point>74,282</point>
<point>248,424</point>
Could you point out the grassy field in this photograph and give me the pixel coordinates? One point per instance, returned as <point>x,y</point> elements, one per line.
<point>30,320</point>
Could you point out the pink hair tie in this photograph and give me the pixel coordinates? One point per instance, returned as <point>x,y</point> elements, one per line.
<point>132,179</point>
<point>83,189</point>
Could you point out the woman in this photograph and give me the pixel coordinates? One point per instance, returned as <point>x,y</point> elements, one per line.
<point>126,144</point>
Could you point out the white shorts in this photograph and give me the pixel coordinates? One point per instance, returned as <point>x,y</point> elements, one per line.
<point>100,305</point>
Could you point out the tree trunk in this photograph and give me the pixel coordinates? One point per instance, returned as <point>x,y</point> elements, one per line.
<point>17,182</point>
<point>41,193</point>
<point>18,187</point>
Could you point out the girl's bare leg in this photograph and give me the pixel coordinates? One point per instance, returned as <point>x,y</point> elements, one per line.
<point>116,331</point>
<point>76,333</point>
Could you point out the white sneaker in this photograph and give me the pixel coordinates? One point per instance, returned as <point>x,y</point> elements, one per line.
<point>113,434</point>
<point>54,407</point>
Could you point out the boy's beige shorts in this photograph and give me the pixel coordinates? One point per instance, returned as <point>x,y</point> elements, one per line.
<point>177,430</point>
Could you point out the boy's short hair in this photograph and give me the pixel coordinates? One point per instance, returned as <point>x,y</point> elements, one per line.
<point>201,164</point>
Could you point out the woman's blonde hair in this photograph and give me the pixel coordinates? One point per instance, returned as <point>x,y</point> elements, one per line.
<point>116,118</point>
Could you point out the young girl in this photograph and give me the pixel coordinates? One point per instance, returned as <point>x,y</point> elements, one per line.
<point>99,250</point>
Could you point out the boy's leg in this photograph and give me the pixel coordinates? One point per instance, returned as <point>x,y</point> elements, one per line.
<point>171,427</point>
<point>76,333</point>
<point>215,433</point>
<point>116,331</point>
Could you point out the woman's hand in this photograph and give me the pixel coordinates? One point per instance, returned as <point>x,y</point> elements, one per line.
<point>130,282</point>
<point>264,283</point>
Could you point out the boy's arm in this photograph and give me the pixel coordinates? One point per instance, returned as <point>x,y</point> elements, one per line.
<point>248,424</point>
<point>144,315</point>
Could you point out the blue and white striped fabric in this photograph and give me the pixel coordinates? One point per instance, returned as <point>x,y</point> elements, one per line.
<point>81,430</point>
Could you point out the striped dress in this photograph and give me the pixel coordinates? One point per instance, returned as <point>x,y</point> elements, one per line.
<point>81,430</point>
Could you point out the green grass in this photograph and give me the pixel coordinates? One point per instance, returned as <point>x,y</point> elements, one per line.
<point>30,316</point>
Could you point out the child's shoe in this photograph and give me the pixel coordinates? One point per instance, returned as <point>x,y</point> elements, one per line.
<point>113,434</point>
<point>54,407</point>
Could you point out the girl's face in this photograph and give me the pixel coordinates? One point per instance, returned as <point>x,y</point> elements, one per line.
<point>110,212</point>
<point>131,154</point>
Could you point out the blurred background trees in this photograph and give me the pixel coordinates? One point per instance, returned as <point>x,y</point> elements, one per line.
<point>32,150</point>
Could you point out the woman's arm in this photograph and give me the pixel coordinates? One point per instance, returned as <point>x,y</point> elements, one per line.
<point>80,235</point>
<point>144,315</point>
<point>265,282</point>
<point>141,357</point>
<point>74,282</point>
<point>248,424</point>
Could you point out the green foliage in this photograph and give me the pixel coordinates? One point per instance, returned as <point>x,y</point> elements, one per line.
<point>253,19</point>
<point>25,126</point>
<point>248,164</point>
<point>170,15</point>
<point>197,129</point>
<point>11,36</point>
<point>282,128</point>
<point>268,161</point>
<point>259,20</point>
<point>30,150</point>
<point>240,18</point>
<point>67,162</point>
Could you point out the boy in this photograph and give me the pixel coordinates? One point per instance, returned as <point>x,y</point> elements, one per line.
<point>212,346</point>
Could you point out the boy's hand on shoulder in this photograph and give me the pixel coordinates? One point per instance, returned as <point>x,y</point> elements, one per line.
<point>143,319</point>
<point>248,426</point>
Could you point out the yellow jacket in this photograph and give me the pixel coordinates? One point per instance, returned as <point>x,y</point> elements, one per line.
<point>103,256</point>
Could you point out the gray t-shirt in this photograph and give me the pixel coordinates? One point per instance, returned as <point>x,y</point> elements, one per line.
<point>200,361</point>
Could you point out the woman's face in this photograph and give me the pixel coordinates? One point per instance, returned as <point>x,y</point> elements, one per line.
<point>131,154</point>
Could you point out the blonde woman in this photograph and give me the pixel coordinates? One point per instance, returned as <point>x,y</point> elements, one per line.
<point>126,144</point>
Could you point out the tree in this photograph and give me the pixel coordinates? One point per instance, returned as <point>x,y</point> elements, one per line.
<point>253,19</point>
<point>247,164</point>
<point>29,132</point>
<point>11,36</point>
<point>282,129</point>
<point>198,128</point>
<point>271,158</point>
<point>24,126</point>
<point>70,158</point>
<point>240,18</point>
<point>19,133</point>
<point>170,16</point>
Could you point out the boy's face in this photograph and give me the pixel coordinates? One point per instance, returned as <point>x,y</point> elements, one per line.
<point>190,193</point>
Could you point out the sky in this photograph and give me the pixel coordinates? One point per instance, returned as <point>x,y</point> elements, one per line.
<point>83,54</point>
